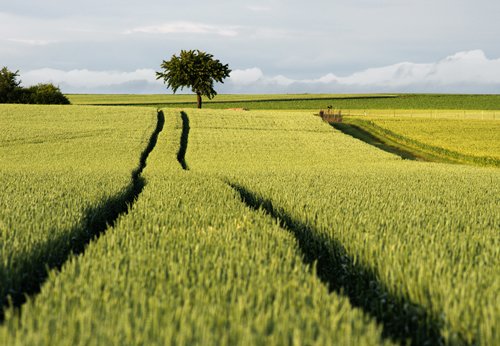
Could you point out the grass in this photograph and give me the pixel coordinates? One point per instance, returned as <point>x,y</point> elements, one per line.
<point>283,231</point>
<point>448,140</point>
<point>394,219</point>
<point>381,143</point>
<point>60,184</point>
<point>359,103</point>
<point>155,99</point>
<point>189,264</point>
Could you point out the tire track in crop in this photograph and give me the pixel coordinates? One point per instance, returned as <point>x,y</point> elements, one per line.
<point>181,154</point>
<point>409,148</point>
<point>367,137</point>
<point>402,320</point>
<point>96,220</point>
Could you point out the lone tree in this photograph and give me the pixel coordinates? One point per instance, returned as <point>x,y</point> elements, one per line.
<point>194,69</point>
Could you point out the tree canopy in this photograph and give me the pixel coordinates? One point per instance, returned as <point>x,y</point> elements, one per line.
<point>193,69</point>
<point>9,85</point>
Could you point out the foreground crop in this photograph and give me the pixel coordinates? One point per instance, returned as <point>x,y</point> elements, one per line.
<point>425,236</point>
<point>282,231</point>
<point>61,188</point>
<point>189,264</point>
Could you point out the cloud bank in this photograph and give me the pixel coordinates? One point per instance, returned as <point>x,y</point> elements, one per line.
<point>31,42</point>
<point>467,72</point>
<point>463,72</point>
<point>185,28</point>
<point>86,81</point>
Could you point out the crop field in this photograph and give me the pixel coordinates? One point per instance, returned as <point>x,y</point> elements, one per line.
<point>62,169</point>
<point>457,140</point>
<point>364,207</point>
<point>380,222</point>
<point>426,104</point>
<point>124,225</point>
<point>178,270</point>
<point>187,99</point>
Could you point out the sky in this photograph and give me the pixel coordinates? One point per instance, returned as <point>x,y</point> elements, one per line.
<point>273,46</point>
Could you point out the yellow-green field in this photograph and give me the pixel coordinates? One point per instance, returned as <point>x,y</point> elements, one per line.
<point>280,230</point>
<point>414,104</point>
<point>419,114</point>
<point>470,141</point>
<point>59,168</point>
<point>131,99</point>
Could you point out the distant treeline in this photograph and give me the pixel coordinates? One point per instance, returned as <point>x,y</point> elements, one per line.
<point>11,91</point>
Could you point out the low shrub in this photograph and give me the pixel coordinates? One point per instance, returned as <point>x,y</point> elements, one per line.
<point>11,91</point>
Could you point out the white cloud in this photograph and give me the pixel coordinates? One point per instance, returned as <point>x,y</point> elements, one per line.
<point>258,8</point>
<point>256,76</point>
<point>87,78</point>
<point>280,80</point>
<point>31,42</point>
<point>469,71</point>
<point>464,68</point>
<point>245,77</point>
<point>185,28</point>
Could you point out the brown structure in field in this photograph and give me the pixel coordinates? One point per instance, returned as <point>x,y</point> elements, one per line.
<point>331,115</point>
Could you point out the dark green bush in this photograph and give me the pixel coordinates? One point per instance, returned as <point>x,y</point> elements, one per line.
<point>46,94</point>
<point>11,91</point>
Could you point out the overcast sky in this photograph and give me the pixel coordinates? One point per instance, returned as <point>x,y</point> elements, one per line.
<point>271,46</point>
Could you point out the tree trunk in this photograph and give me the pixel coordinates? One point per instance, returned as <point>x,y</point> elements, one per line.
<point>199,100</point>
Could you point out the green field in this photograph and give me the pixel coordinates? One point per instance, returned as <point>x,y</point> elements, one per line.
<point>470,141</point>
<point>359,102</point>
<point>279,230</point>
<point>187,99</point>
<point>63,170</point>
<point>385,219</point>
<point>177,270</point>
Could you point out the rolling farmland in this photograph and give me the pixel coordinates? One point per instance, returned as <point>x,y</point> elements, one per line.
<point>261,227</point>
<point>426,104</point>
<point>178,270</point>
<point>357,203</point>
<point>221,100</point>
